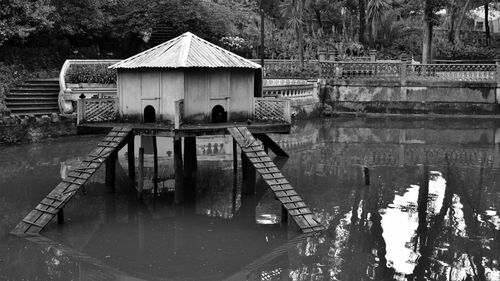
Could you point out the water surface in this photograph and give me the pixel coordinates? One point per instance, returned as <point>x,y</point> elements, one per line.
<point>430,211</point>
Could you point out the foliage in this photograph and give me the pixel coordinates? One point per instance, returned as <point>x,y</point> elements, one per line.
<point>21,18</point>
<point>90,74</point>
<point>236,44</point>
<point>462,51</point>
<point>9,76</point>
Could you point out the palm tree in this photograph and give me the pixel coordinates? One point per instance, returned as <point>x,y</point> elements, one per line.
<point>293,10</point>
<point>376,10</point>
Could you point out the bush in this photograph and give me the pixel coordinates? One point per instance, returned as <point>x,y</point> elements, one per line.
<point>461,51</point>
<point>95,73</point>
<point>10,75</point>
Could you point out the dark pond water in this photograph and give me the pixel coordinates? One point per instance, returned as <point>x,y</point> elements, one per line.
<point>429,213</point>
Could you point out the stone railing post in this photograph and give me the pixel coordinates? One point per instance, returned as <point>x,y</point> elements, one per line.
<point>373,55</point>
<point>404,67</point>
<point>322,55</point>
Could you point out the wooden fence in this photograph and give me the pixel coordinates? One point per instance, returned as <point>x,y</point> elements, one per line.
<point>97,110</point>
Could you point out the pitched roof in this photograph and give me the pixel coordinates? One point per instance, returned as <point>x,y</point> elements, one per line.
<point>187,50</point>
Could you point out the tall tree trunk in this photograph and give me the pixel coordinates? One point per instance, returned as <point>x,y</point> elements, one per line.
<point>458,26</point>
<point>427,34</point>
<point>451,20</point>
<point>300,42</point>
<point>486,22</point>
<point>318,19</point>
<point>362,20</point>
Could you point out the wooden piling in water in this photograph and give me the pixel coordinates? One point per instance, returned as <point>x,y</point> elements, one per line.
<point>155,164</point>
<point>179,175</point>
<point>131,157</point>
<point>60,216</point>
<point>140,182</point>
<point>248,176</point>
<point>366,173</point>
<point>190,166</point>
<point>235,157</point>
<point>111,171</point>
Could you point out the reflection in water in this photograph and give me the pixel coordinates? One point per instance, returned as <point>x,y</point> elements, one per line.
<point>431,211</point>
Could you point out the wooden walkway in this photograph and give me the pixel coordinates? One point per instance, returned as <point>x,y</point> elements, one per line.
<point>48,208</point>
<point>273,177</point>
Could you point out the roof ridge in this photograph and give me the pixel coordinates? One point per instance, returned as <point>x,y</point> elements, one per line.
<point>186,45</point>
<point>184,51</point>
<point>226,51</point>
<point>145,52</point>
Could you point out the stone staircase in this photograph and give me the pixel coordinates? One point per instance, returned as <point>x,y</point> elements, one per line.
<point>161,33</point>
<point>34,97</point>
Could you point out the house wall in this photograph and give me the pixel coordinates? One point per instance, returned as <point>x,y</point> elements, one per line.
<point>233,89</point>
<point>242,93</point>
<point>138,88</point>
<point>129,94</point>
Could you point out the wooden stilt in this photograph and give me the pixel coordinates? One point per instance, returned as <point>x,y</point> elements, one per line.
<point>140,182</point>
<point>111,172</point>
<point>190,166</point>
<point>155,161</point>
<point>248,175</point>
<point>235,157</point>
<point>131,157</point>
<point>60,216</point>
<point>284,215</point>
<point>179,177</point>
<point>366,173</point>
<point>271,144</point>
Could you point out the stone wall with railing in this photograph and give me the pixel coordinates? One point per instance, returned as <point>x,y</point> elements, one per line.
<point>402,72</point>
<point>397,87</point>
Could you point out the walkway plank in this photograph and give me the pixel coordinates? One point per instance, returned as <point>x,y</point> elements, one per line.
<point>273,177</point>
<point>48,208</point>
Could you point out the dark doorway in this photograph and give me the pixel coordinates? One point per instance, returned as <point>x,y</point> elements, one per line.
<point>218,114</point>
<point>149,114</point>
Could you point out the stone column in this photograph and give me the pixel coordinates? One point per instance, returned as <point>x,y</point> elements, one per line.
<point>373,55</point>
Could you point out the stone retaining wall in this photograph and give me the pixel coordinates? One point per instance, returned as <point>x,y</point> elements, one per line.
<point>424,97</point>
<point>30,129</point>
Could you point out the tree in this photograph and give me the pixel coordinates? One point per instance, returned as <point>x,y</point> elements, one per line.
<point>21,18</point>
<point>429,20</point>
<point>293,10</point>
<point>376,10</point>
<point>362,20</point>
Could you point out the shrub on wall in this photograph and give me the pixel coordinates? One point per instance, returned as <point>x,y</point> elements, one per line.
<point>95,73</point>
<point>9,76</point>
<point>461,51</point>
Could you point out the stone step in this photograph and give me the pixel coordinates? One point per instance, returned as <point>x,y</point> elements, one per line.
<point>30,103</point>
<point>24,94</point>
<point>38,85</point>
<point>35,107</point>
<point>31,98</point>
<point>34,113</point>
<point>43,81</point>
<point>34,90</point>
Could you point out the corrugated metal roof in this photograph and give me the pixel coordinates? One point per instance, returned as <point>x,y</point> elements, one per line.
<point>187,50</point>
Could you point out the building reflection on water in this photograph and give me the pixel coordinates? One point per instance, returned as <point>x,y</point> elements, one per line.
<point>429,213</point>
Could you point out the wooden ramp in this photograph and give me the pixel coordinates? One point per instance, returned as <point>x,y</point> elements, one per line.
<point>273,177</point>
<point>48,208</point>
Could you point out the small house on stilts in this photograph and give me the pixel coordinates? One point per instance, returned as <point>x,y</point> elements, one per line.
<point>179,89</point>
<point>215,85</point>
